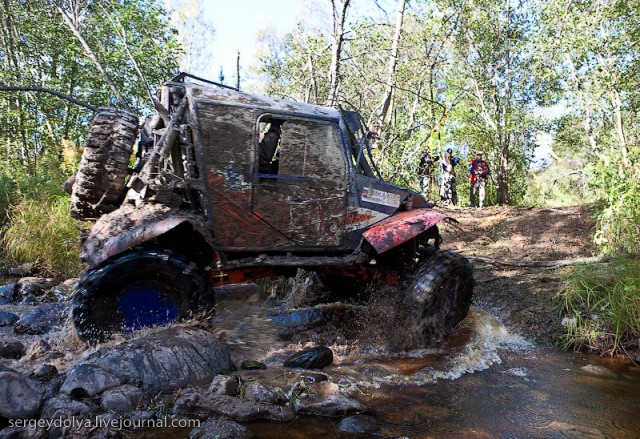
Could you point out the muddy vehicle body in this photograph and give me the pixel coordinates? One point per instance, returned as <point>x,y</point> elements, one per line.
<point>229,187</point>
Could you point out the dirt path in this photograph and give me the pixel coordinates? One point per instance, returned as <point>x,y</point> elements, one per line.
<point>522,297</point>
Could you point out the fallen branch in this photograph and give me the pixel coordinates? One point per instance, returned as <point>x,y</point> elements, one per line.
<point>541,264</point>
<point>48,90</point>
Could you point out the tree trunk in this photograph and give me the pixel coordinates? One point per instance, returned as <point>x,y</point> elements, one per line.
<point>383,114</point>
<point>336,48</point>
<point>92,56</point>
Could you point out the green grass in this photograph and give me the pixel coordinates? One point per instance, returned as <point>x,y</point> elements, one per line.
<point>601,306</point>
<point>43,232</point>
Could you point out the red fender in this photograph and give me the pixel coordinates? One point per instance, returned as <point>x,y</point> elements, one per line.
<point>402,227</point>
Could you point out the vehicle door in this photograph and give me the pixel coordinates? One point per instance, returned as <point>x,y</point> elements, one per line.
<point>302,191</point>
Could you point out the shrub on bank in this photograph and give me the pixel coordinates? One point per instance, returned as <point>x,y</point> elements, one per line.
<point>43,232</point>
<point>601,306</point>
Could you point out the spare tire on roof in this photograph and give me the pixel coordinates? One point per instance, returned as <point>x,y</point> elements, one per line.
<point>100,181</point>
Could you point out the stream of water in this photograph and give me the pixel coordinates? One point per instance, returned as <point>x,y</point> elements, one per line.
<point>483,382</point>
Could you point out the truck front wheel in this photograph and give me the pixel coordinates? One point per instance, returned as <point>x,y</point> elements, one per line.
<point>142,288</point>
<point>438,294</point>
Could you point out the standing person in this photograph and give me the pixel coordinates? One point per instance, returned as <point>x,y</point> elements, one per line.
<point>267,157</point>
<point>448,185</point>
<point>425,172</point>
<point>478,176</point>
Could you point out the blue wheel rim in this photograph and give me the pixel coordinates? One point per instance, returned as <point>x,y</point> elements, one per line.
<point>147,304</point>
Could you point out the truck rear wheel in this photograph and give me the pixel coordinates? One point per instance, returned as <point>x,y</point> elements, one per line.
<point>100,179</point>
<point>138,289</point>
<point>439,294</point>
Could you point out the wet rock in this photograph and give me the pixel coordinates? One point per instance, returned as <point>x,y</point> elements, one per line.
<point>88,380</point>
<point>20,397</point>
<point>11,349</point>
<point>258,392</point>
<point>52,387</point>
<point>64,408</point>
<point>45,372</point>
<point>324,399</point>
<point>34,285</point>
<point>252,365</point>
<point>121,399</point>
<point>360,425</point>
<point>29,299</point>
<point>8,318</point>
<point>314,358</point>
<point>64,291</point>
<point>167,360</point>
<point>225,385</point>
<point>41,320</point>
<point>193,401</point>
<point>37,350</point>
<point>28,289</point>
<point>598,370</point>
<point>7,293</point>
<point>138,418</point>
<point>220,428</point>
<point>23,433</point>
<point>310,377</point>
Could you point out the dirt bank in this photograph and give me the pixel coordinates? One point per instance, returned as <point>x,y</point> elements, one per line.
<point>501,241</point>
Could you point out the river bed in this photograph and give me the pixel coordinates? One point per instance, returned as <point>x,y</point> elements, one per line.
<point>482,382</point>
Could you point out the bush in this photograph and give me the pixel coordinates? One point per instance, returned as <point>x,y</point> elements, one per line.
<point>619,221</point>
<point>43,232</point>
<point>601,305</point>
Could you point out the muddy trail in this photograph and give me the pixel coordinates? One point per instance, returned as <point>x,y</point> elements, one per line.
<point>520,256</point>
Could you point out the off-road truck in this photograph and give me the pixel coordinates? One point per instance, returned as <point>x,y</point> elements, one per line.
<point>227,187</point>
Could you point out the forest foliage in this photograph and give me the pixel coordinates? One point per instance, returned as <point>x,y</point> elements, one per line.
<point>507,78</point>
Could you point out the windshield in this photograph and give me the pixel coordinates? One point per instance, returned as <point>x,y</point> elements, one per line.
<point>360,152</point>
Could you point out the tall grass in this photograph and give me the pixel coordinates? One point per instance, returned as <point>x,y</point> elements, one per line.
<point>43,232</point>
<point>601,306</point>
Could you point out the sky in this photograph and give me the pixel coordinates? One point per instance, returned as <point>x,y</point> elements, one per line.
<point>236,23</point>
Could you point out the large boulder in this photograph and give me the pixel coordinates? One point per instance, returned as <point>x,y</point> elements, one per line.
<point>20,397</point>
<point>88,380</point>
<point>43,319</point>
<point>197,402</point>
<point>166,360</point>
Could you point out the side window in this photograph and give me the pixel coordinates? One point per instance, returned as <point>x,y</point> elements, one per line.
<point>301,148</point>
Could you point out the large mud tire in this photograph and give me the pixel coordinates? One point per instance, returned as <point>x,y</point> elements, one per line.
<point>438,294</point>
<point>141,288</point>
<point>100,180</point>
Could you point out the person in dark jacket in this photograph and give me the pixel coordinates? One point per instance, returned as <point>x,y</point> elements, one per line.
<point>425,172</point>
<point>267,159</point>
<point>448,185</point>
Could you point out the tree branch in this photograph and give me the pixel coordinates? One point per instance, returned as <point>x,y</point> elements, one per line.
<point>48,90</point>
